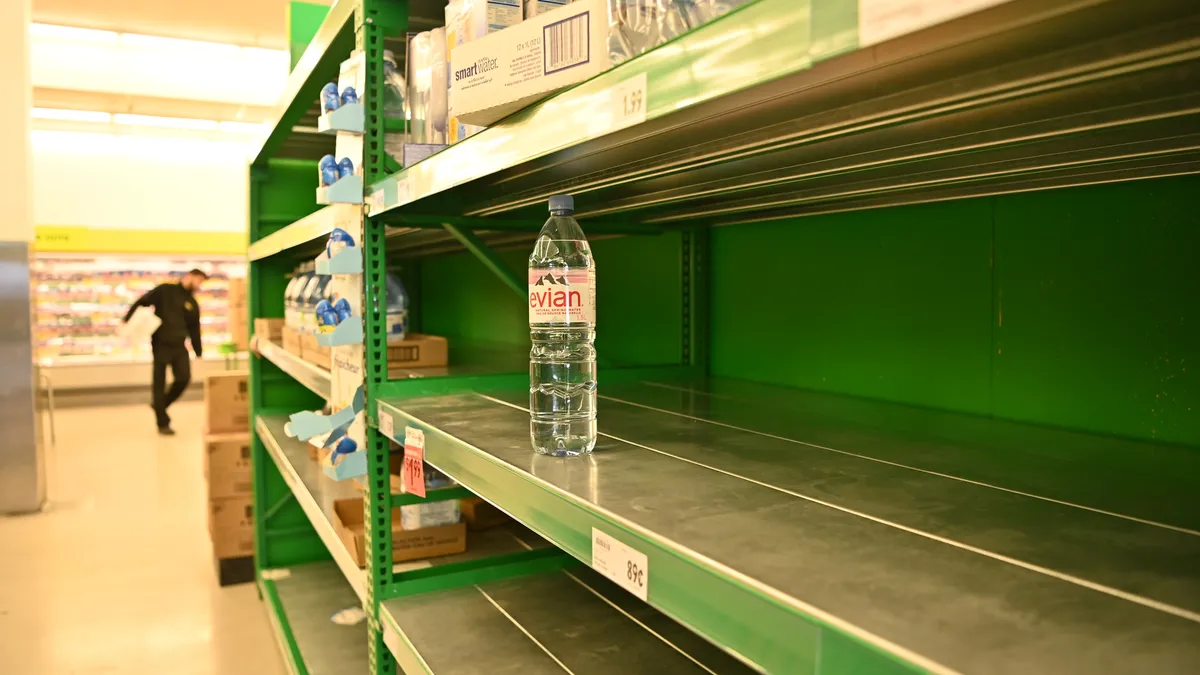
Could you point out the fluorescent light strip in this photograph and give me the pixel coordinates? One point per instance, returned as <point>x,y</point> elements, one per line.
<point>156,42</point>
<point>99,117</point>
<point>167,122</point>
<point>71,115</point>
<point>149,41</point>
<point>243,128</point>
<point>72,33</point>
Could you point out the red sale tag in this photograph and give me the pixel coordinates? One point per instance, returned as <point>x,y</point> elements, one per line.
<point>414,461</point>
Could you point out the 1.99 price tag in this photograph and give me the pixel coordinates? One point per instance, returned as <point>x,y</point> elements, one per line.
<point>627,102</point>
<point>414,461</point>
<point>627,567</point>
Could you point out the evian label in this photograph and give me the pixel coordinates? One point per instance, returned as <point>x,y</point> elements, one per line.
<point>562,297</point>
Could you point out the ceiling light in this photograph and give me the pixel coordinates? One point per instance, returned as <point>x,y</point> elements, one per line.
<point>156,42</point>
<point>168,122</point>
<point>71,115</point>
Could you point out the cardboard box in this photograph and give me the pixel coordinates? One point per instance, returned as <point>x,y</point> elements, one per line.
<point>231,525</point>
<point>269,329</point>
<point>501,73</point>
<point>536,7</point>
<point>226,401</point>
<point>291,340</point>
<point>237,292</point>
<point>428,542</point>
<point>418,351</point>
<point>313,353</point>
<point>480,515</point>
<point>230,571</point>
<point>467,21</point>
<point>239,328</point>
<point>227,465</point>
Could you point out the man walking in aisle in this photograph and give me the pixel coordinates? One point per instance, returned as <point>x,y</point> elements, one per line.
<point>175,305</point>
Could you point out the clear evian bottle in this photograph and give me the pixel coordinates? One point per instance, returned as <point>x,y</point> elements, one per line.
<point>562,324</point>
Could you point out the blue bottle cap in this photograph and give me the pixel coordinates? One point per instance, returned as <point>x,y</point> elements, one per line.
<point>345,167</point>
<point>339,235</point>
<point>562,203</point>
<point>330,100</point>
<point>349,96</point>
<point>323,306</point>
<point>345,446</point>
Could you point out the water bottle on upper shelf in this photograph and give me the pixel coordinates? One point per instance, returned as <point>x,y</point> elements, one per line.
<point>293,304</point>
<point>397,309</point>
<point>562,321</point>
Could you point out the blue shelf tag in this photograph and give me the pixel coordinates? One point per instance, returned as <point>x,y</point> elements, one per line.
<point>348,190</point>
<point>348,332</point>
<point>348,118</point>
<point>352,465</point>
<point>347,261</point>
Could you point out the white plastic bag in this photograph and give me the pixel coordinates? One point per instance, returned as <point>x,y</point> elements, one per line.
<point>141,325</point>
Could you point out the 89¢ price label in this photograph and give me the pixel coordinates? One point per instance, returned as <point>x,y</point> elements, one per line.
<point>627,567</point>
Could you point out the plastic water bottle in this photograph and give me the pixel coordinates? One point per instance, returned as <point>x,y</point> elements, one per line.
<point>397,309</point>
<point>562,325</point>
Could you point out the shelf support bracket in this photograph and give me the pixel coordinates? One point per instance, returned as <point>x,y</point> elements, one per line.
<point>489,258</point>
<point>283,501</point>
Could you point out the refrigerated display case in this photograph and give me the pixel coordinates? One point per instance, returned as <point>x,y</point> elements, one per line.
<point>82,298</point>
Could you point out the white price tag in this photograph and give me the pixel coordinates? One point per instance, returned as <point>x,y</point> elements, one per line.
<point>628,568</point>
<point>627,104</point>
<point>376,202</point>
<point>387,426</point>
<point>403,191</point>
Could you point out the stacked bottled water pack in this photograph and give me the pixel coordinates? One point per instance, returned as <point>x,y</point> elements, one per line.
<point>637,26</point>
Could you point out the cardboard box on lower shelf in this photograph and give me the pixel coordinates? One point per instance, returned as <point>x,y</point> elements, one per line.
<point>269,329</point>
<point>227,465</point>
<point>480,515</point>
<point>291,340</point>
<point>314,353</point>
<point>418,351</point>
<point>427,542</point>
<point>231,526</point>
<point>226,401</point>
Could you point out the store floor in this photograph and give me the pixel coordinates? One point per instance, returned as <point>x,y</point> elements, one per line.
<point>116,576</point>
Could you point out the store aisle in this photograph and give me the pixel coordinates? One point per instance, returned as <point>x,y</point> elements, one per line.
<point>117,576</point>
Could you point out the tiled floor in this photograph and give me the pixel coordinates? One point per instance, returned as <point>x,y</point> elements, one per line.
<point>116,576</point>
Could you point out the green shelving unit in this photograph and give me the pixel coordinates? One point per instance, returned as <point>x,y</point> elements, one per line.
<point>897,342</point>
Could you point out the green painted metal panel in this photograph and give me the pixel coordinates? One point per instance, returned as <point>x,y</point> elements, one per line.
<point>303,21</point>
<point>891,304</point>
<point>638,306</point>
<point>1072,307</point>
<point>841,655</point>
<point>463,300</point>
<point>287,192</point>
<point>1098,309</point>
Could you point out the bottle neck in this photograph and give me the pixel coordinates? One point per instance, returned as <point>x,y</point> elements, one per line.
<point>561,212</point>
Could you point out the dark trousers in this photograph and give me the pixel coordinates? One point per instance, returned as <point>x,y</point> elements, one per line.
<point>175,356</point>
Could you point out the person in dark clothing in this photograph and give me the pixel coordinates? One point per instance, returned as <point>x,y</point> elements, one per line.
<point>179,312</point>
